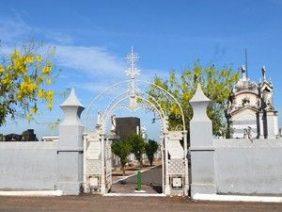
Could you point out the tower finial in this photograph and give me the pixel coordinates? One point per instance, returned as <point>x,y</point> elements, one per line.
<point>263,71</point>
<point>246,62</point>
<point>243,72</point>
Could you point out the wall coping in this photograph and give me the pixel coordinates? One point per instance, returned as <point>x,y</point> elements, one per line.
<point>28,145</point>
<point>202,148</point>
<point>246,143</point>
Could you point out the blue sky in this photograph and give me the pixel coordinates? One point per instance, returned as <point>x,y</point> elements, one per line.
<point>92,39</point>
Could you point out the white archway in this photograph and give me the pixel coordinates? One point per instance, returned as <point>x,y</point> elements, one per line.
<point>97,157</point>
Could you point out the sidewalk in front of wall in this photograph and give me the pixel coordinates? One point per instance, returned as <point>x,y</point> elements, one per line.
<point>236,198</point>
<point>32,193</point>
<point>208,197</point>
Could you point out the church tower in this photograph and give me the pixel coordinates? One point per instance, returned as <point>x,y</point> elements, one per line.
<point>244,107</point>
<point>251,112</point>
<point>268,115</point>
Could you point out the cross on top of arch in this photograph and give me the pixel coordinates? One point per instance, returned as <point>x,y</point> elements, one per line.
<point>132,59</point>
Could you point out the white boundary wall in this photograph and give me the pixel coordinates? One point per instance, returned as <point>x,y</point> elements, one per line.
<point>245,167</point>
<point>28,165</point>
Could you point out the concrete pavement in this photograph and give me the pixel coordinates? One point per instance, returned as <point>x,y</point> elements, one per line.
<point>151,182</point>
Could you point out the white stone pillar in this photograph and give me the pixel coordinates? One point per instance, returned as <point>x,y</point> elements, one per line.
<point>201,146</point>
<point>86,187</point>
<point>70,147</point>
<point>261,125</point>
<point>272,124</point>
<point>167,186</point>
<point>276,125</point>
<point>103,180</point>
<point>163,162</point>
<point>186,183</point>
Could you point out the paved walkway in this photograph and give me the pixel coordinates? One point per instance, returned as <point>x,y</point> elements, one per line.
<point>124,204</point>
<point>151,182</point>
<point>117,173</point>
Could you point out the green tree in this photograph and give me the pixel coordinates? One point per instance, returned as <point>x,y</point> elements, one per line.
<point>151,148</point>
<point>217,84</point>
<point>138,147</point>
<point>25,76</point>
<point>122,149</point>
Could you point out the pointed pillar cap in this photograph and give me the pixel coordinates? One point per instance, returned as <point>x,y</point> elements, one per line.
<point>72,100</point>
<point>199,95</point>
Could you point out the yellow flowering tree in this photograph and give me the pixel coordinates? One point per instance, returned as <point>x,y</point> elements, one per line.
<point>217,84</point>
<point>25,76</point>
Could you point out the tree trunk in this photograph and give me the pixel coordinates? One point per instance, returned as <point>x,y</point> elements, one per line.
<point>123,169</point>
<point>151,159</point>
<point>141,163</point>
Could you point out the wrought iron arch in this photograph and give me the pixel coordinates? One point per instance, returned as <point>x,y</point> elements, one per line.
<point>174,166</point>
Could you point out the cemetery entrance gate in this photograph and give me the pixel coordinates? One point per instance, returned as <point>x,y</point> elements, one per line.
<point>97,144</point>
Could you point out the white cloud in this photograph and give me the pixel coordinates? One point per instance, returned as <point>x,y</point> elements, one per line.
<point>13,29</point>
<point>92,60</point>
<point>59,37</point>
<point>95,87</point>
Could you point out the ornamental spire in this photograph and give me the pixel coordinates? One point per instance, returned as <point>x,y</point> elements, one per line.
<point>132,71</point>
<point>132,59</point>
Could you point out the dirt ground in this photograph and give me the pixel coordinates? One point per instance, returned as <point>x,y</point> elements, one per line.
<point>126,204</point>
